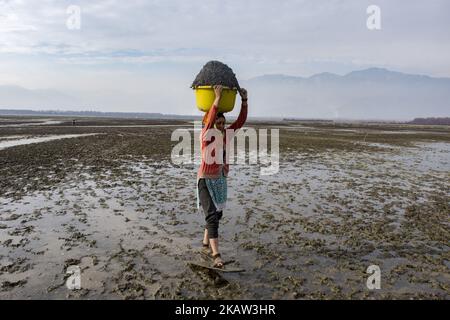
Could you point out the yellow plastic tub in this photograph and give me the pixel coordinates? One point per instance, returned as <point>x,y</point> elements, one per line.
<point>205,97</point>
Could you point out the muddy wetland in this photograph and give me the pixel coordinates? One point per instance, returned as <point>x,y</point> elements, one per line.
<point>105,196</point>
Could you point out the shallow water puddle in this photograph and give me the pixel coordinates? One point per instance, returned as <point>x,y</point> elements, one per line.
<point>19,142</point>
<point>34,123</point>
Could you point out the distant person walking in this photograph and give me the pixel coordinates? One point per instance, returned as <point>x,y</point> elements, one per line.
<point>212,177</point>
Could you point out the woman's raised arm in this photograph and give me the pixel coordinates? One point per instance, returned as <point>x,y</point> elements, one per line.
<point>210,116</point>
<point>243,113</point>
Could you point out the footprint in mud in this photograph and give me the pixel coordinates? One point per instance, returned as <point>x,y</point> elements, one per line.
<point>19,265</point>
<point>8,286</point>
<point>21,231</point>
<point>12,217</point>
<point>103,203</point>
<point>75,239</point>
<point>118,212</point>
<point>210,276</point>
<point>15,243</point>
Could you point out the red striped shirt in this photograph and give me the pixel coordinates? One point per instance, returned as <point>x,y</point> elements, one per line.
<point>208,169</point>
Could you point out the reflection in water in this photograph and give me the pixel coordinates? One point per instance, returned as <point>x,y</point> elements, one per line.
<point>19,142</point>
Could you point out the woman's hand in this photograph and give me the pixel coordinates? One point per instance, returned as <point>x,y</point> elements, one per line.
<point>243,93</point>
<point>218,91</point>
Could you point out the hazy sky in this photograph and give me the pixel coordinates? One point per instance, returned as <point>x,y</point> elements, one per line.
<point>143,55</point>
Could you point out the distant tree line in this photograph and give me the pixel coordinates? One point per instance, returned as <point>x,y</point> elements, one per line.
<point>139,115</point>
<point>432,121</point>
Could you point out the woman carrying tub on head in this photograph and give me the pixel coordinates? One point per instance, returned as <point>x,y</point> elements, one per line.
<point>212,177</point>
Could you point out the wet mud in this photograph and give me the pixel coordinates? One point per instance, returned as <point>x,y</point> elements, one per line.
<point>346,197</point>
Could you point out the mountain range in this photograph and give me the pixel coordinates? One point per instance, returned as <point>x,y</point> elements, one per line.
<point>373,93</point>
